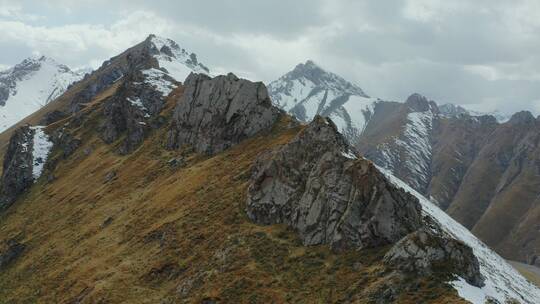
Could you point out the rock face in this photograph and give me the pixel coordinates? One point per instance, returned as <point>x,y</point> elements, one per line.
<point>215,113</point>
<point>155,57</point>
<point>400,138</point>
<point>11,251</point>
<point>328,195</point>
<point>17,173</point>
<point>485,174</point>
<point>423,252</point>
<point>132,112</point>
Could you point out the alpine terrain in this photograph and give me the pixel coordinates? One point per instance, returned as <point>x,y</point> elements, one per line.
<point>482,169</point>
<point>154,188</point>
<point>30,85</point>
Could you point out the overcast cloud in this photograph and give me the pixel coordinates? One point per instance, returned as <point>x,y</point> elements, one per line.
<point>481,53</point>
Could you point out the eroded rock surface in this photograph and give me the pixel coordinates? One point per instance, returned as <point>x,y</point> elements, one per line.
<point>318,186</point>
<point>213,114</point>
<point>131,112</point>
<point>17,172</point>
<point>423,252</point>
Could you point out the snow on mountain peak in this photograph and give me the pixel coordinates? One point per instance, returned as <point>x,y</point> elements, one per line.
<point>31,84</point>
<point>309,90</point>
<point>178,62</point>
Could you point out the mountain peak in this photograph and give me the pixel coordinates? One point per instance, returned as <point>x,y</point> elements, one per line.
<point>522,117</point>
<point>173,58</point>
<point>419,103</point>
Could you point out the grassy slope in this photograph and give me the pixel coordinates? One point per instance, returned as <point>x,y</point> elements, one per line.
<point>156,235</point>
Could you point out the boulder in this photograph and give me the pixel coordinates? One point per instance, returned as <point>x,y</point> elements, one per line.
<point>17,171</point>
<point>214,114</point>
<point>425,252</point>
<point>317,185</point>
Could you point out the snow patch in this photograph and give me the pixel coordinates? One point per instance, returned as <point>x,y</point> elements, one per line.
<point>138,103</point>
<point>156,79</point>
<point>42,148</point>
<point>502,281</point>
<point>180,64</point>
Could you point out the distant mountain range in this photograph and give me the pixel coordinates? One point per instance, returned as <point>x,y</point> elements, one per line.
<point>143,185</point>
<point>182,183</point>
<point>482,168</point>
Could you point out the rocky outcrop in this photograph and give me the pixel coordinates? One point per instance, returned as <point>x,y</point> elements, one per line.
<point>66,142</point>
<point>52,117</point>
<point>11,251</point>
<point>132,112</point>
<point>17,172</point>
<point>425,252</point>
<point>214,114</point>
<point>328,195</point>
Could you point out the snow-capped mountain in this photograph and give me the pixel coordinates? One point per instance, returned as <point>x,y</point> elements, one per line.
<point>407,150</point>
<point>452,110</point>
<point>309,90</point>
<point>502,282</point>
<point>30,85</point>
<point>162,62</point>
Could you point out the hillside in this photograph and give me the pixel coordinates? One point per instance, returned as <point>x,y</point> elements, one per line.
<point>151,189</point>
<point>166,226</point>
<point>483,173</point>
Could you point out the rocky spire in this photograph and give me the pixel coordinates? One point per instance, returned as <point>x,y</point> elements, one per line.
<point>215,113</point>
<point>328,194</point>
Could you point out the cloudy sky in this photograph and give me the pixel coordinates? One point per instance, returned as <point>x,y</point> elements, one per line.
<point>480,53</point>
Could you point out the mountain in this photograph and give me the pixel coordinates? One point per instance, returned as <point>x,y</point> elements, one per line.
<point>308,90</point>
<point>30,85</point>
<point>482,172</point>
<point>154,190</point>
<point>445,152</point>
<point>450,110</point>
<point>161,64</point>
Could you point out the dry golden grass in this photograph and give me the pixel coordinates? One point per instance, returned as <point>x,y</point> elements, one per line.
<point>155,234</point>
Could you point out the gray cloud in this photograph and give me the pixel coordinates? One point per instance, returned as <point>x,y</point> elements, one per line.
<point>482,53</point>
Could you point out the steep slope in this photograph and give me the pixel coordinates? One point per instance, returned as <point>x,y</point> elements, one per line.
<point>483,172</point>
<point>142,227</point>
<point>152,224</point>
<point>30,85</point>
<point>499,194</point>
<point>503,282</point>
<point>162,62</point>
<point>308,90</point>
<point>400,138</point>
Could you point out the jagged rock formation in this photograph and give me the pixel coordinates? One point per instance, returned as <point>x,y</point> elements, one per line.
<point>161,60</point>
<point>399,137</point>
<point>308,90</point>
<point>133,111</point>
<point>483,172</point>
<point>424,252</point>
<point>11,250</point>
<point>30,85</point>
<point>18,163</point>
<point>327,196</point>
<point>215,113</point>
